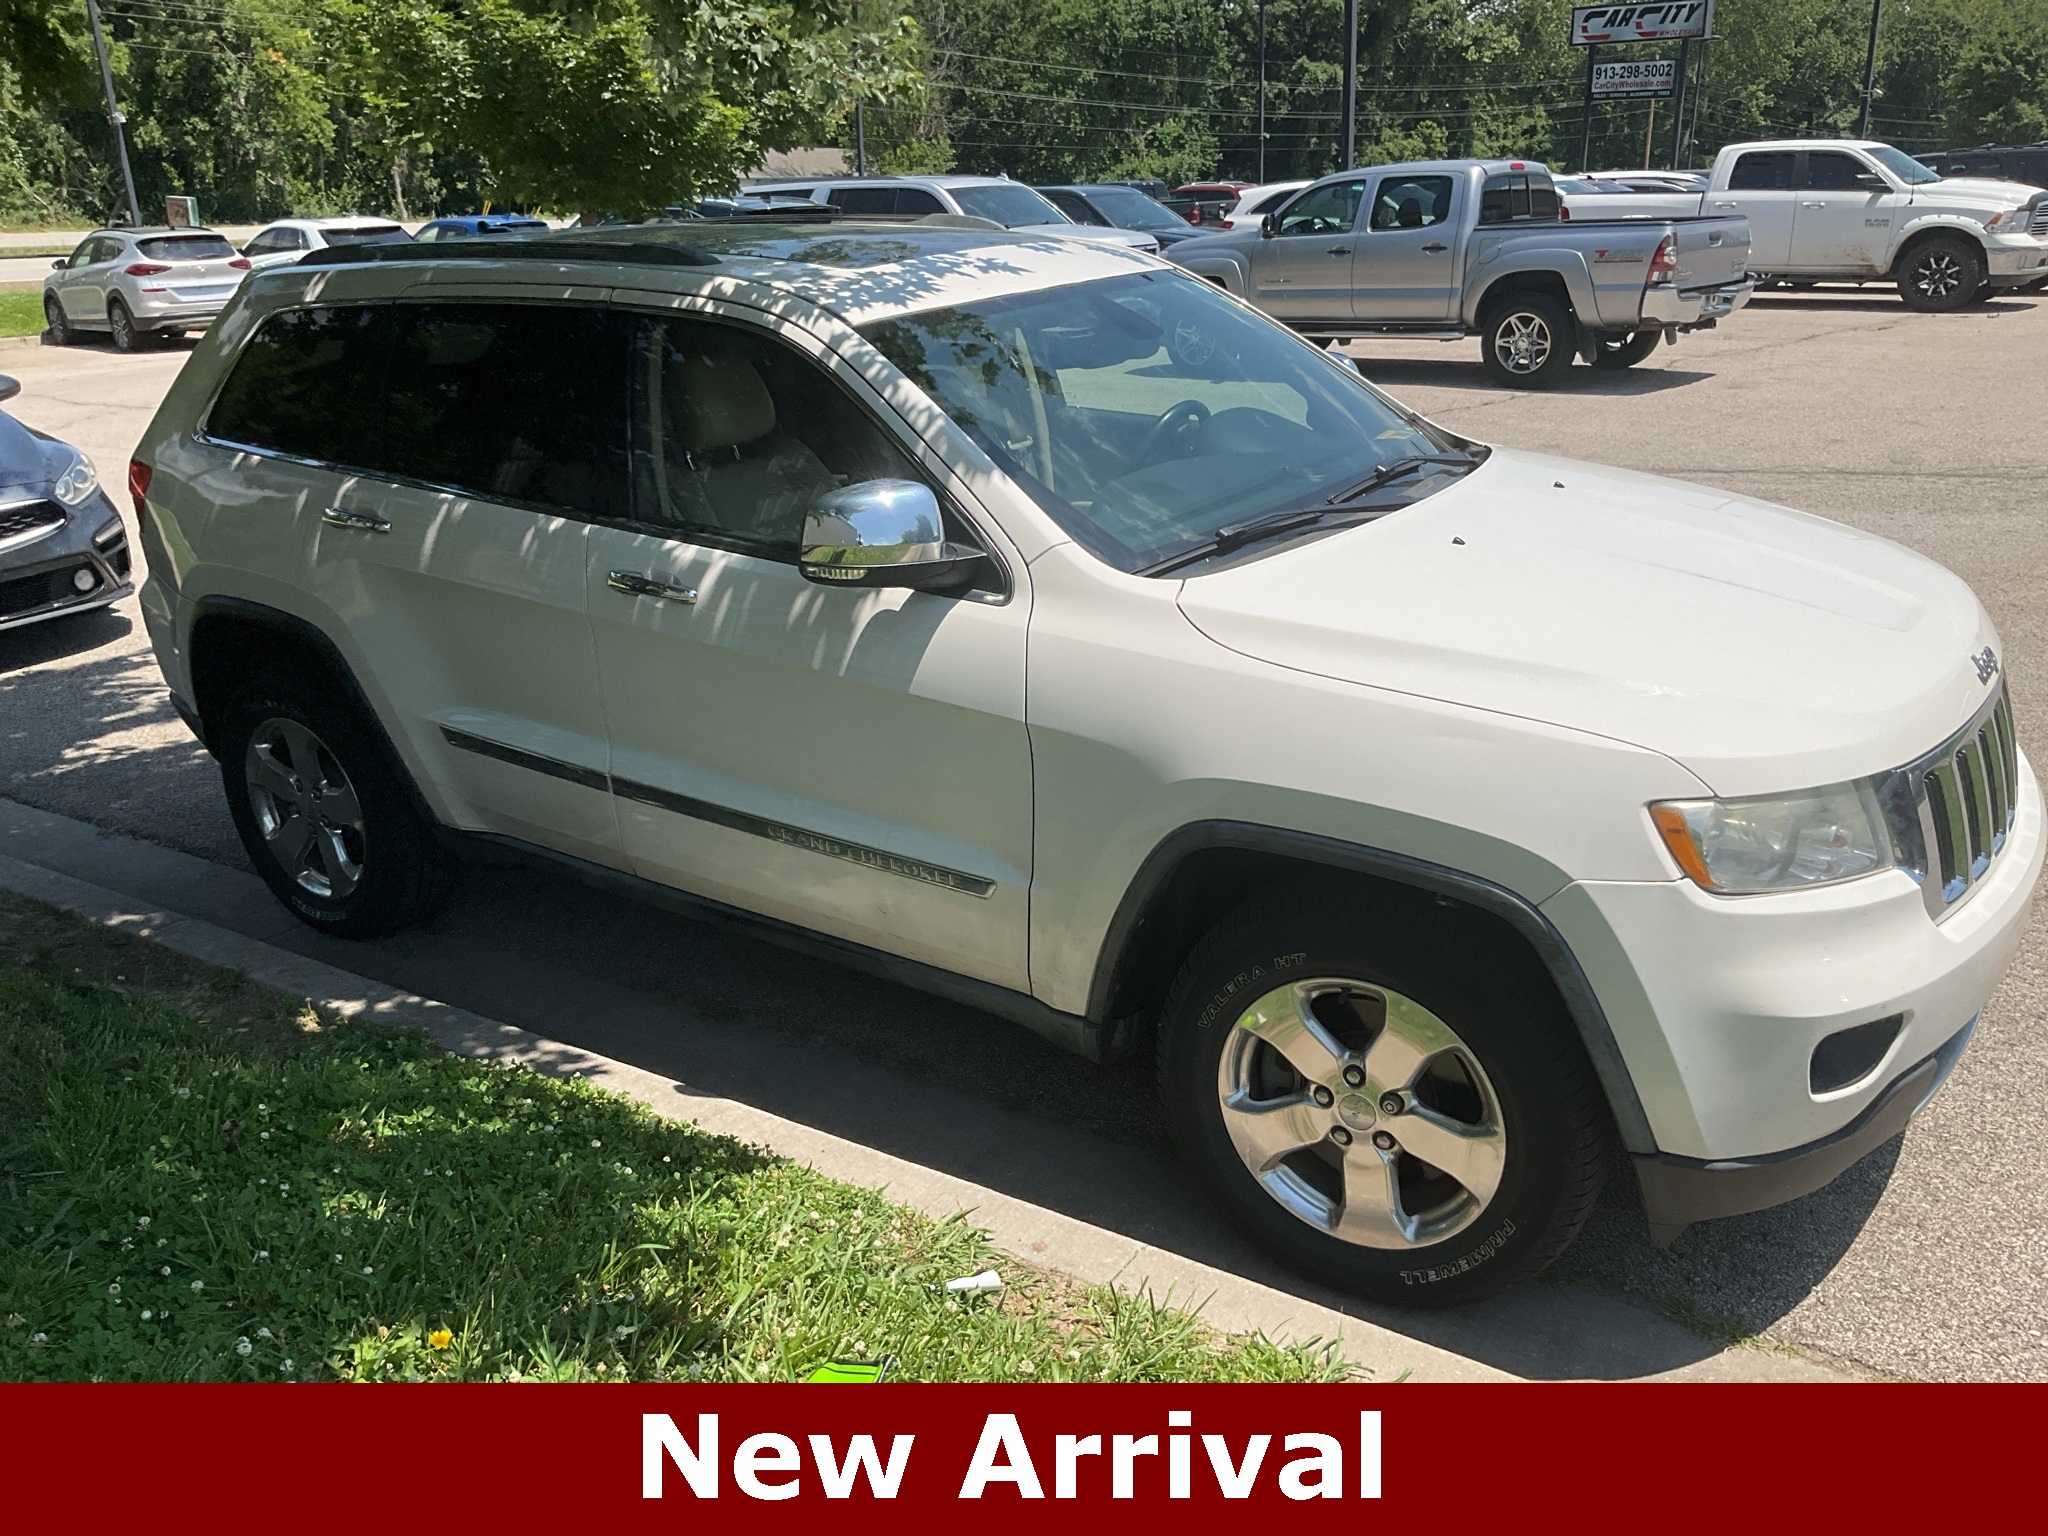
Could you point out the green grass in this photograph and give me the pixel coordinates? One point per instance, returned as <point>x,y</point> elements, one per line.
<point>21,314</point>
<point>202,1181</point>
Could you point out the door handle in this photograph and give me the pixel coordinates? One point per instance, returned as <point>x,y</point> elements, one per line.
<point>361,522</point>
<point>1339,250</point>
<point>1813,205</point>
<point>633,584</point>
<point>1725,205</point>
<point>1435,248</point>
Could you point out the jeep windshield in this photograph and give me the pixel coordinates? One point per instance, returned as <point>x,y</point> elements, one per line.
<point>1147,414</point>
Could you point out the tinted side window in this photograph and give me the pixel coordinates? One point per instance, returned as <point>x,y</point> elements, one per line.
<point>1411,202</point>
<point>1827,171</point>
<point>864,199</point>
<point>306,385</point>
<point>1507,199</point>
<point>918,201</point>
<point>266,241</point>
<point>735,435</point>
<point>512,402</point>
<point>1767,170</point>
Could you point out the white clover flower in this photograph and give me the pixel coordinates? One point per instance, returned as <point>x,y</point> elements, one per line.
<point>263,1135</point>
<point>244,1348</point>
<point>198,1286</point>
<point>39,1338</point>
<point>163,1242</point>
<point>285,1369</point>
<point>165,1270</point>
<point>263,1333</point>
<point>114,1289</point>
<point>369,1269</point>
<point>142,1221</point>
<point>596,1143</point>
<point>262,1109</point>
<point>262,1253</point>
<point>147,1314</point>
<point>184,1093</point>
<point>283,1188</point>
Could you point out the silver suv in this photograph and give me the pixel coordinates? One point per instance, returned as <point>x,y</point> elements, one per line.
<point>131,281</point>
<point>995,198</point>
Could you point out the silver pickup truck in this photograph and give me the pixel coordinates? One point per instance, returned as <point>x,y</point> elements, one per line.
<point>1454,248</point>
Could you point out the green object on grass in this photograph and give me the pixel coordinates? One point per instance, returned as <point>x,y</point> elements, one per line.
<point>852,1370</point>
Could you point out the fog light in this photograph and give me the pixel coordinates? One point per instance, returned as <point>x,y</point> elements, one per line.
<point>83,579</point>
<point>1850,1054</point>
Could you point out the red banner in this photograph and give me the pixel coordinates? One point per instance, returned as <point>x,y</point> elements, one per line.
<point>1003,1458</point>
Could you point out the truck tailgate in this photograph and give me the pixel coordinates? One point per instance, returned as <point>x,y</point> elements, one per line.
<point>1713,250</point>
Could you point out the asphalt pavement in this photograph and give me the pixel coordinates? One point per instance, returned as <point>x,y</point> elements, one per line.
<point>1927,1260</point>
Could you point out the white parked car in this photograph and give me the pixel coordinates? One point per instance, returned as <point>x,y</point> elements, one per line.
<point>285,241</point>
<point>132,283</point>
<point>1256,202</point>
<point>1036,623</point>
<point>996,198</point>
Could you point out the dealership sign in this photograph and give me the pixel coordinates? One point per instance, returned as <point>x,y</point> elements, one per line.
<point>1598,26</point>
<point>1635,77</point>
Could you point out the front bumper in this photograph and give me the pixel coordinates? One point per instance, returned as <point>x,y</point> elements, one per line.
<point>1678,1191</point>
<point>1718,1003</point>
<point>1686,308</point>
<point>2015,259</point>
<point>38,580</point>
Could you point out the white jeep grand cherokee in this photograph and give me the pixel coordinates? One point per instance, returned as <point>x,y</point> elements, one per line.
<point>1036,624</point>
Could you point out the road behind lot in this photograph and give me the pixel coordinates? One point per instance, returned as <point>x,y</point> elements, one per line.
<point>1929,1259</point>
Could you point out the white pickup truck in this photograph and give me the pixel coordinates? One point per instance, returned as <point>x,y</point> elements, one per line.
<point>1850,210</point>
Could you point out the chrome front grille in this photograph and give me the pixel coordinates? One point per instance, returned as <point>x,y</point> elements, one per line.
<point>2038,225</point>
<point>1952,812</point>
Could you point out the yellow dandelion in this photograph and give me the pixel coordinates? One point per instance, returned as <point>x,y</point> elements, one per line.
<point>440,1338</point>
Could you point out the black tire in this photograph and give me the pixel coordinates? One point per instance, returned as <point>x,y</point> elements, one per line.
<point>1628,351</point>
<point>384,868</point>
<point>1527,341</point>
<point>122,325</point>
<point>1533,1088</point>
<point>1941,274</point>
<point>60,333</point>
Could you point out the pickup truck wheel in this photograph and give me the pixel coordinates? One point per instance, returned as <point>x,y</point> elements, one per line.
<point>323,814</point>
<point>1941,274</point>
<point>1628,351</point>
<point>1527,341</point>
<point>1378,1104</point>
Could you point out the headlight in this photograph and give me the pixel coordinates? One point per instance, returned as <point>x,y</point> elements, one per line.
<point>77,482</point>
<point>1776,842</point>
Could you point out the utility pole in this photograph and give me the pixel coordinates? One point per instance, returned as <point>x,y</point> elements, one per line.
<point>860,138</point>
<point>1870,69</point>
<point>1350,132</point>
<point>99,43</point>
<point>1586,118</point>
<point>1262,92</point>
<point>1678,104</point>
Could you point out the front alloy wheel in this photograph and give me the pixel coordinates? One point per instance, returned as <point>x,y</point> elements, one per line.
<point>1361,1113</point>
<point>305,808</point>
<point>1943,274</point>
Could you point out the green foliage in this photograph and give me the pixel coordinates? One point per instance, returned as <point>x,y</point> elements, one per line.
<point>313,1200</point>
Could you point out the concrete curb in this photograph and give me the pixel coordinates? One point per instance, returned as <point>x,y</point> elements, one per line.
<point>1032,1233</point>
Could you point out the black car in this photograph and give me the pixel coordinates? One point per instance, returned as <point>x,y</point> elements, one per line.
<point>62,547</point>
<point>1999,162</point>
<point>1112,205</point>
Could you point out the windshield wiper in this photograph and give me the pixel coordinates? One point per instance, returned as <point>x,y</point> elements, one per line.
<point>1395,470</point>
<point>1237,535</point>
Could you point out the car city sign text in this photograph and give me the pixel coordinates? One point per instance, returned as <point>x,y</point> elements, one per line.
<point>1598,26</point>
<point>772,1466</point>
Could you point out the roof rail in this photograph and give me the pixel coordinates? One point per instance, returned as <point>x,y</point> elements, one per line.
<point>575,245</point>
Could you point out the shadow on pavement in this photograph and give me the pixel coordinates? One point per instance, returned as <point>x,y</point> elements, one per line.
<point>1886,302</point>
<point>1396,372</point>
<point>55,639</point>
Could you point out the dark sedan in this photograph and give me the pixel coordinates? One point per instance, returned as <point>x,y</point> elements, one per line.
<point>1111,205</point>
<point>62,547</point>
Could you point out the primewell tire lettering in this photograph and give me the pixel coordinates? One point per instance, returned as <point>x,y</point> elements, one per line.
<point>1459,1266</point>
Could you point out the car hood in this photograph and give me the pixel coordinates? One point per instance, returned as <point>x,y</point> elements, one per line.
<point>1977,190</point>
<point>1764,649</point>
<point>1131,238</point>
<point>29,462</point>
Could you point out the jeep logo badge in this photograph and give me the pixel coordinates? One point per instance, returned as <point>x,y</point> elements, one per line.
<point>1986,663</point>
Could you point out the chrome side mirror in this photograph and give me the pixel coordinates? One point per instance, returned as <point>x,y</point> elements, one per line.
<point>9,388</point>
<point>881,533</point>
<point>1269,226</point>
<point>60,263</point>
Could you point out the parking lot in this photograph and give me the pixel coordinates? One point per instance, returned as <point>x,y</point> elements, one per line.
<point>1928,1260</point>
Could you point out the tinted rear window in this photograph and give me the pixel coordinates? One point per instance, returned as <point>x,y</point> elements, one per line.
<point>520,403</point>
<point>183,248</point>
<point>1511,199</point>
<point>307,386</point>
<point>364,234</point>
<point>1768,170</point>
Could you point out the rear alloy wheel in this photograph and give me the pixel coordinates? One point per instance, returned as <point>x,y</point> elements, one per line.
<point>1386,1101</point>
<point>324,816</point>
<point>57,322</point>
<point>126,337</point>
<point>1527,341</point>
<point>1628,351</point>
<point>1941,274</point>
